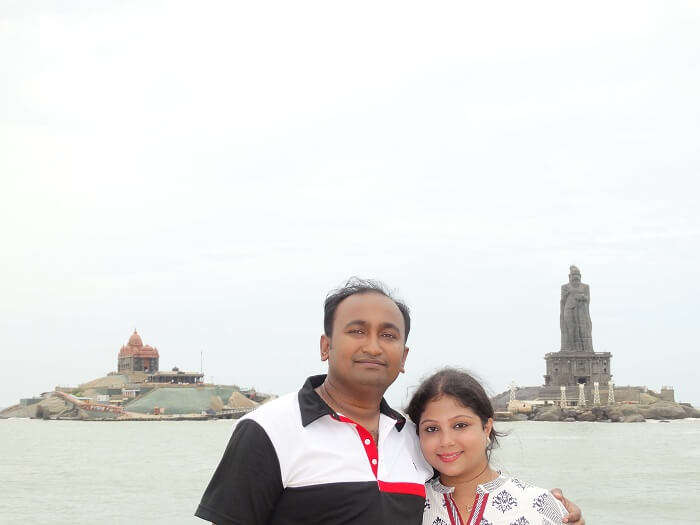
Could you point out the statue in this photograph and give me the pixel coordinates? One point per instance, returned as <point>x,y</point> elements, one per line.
<point>574,316</point>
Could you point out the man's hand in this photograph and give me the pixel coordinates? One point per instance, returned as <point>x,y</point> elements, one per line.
<point>574,517</point>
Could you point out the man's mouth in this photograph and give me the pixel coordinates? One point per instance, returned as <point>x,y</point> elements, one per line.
<point>370,362</point>
<point>449,458</point>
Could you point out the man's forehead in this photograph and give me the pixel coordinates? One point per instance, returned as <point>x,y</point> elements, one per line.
<point>361,305</point>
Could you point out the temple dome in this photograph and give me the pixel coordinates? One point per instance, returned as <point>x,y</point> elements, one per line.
<point>136,348</point>
<point>147,351</point>
<point>135,339</point>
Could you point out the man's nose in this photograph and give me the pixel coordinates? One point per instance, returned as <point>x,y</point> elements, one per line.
<point>372,347</point>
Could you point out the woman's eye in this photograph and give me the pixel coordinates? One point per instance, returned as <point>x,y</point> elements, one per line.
<point>430,429</point>
<point>461,425</point>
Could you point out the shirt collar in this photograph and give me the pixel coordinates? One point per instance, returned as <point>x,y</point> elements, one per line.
<point>312,407</point>
<point>487,487</point>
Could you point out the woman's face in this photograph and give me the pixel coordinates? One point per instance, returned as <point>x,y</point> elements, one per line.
<point>452,438</point>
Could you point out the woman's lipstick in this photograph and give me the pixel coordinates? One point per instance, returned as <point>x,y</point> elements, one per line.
<point>449,458</point>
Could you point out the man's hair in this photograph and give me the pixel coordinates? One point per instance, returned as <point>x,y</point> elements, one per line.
<point>353,286</point>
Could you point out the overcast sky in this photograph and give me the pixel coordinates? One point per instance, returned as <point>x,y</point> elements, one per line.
<point>206,172</point>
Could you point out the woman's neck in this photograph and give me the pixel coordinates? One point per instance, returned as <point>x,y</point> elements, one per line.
<point>465,484</point>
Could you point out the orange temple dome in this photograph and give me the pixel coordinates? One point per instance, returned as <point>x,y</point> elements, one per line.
<point>136,348</point>
<point>135,339</point>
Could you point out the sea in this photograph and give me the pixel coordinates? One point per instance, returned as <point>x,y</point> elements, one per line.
<point>76,472</point>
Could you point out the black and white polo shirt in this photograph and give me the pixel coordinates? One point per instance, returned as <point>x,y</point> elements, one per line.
<point>294,461</point>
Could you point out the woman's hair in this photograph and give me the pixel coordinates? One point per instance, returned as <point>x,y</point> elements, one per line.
<point>458,384</point>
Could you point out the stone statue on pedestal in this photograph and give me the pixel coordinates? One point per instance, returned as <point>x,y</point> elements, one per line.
<point>574,316</point>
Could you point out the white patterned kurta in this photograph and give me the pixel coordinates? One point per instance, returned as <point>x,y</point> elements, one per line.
<point>503,501</point>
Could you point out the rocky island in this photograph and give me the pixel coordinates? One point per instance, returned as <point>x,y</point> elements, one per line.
<point>139,391</point>
<point>578,383</point>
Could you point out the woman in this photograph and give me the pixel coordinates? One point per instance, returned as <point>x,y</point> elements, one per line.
<point>454,421</point>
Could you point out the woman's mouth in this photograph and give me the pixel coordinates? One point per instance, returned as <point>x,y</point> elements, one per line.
<point>449,458</point>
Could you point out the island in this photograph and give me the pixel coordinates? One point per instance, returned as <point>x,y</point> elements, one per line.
<point>578,384</point>
<point>139,391</point>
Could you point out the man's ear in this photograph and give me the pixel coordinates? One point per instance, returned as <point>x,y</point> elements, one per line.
<point>325,347</point>
<point>403,359</point>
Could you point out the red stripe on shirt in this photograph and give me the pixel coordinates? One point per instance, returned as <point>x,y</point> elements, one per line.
<point>415,489</point>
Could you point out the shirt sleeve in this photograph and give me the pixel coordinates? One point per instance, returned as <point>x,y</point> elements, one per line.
<point>247,483</point>
<point>549,507</point>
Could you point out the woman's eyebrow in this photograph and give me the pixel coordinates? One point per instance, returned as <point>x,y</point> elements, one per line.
<point>454,417</point>
<point>462,415</point>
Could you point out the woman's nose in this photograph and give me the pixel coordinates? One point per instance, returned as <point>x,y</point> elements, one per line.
<point>446,438</point>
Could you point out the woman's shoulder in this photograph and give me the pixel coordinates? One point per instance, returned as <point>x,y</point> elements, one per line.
<point>510,493</point>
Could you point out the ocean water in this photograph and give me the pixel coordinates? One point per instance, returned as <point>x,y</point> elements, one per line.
<point>74,472</point>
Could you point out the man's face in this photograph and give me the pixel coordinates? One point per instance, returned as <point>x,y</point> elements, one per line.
<point>574,278</point>
<point>366,347</point>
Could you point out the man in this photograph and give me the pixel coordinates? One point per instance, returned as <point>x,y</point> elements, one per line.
<point>334,452</point>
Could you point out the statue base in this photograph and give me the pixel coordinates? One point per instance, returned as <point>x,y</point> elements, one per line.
<point>571,368</point>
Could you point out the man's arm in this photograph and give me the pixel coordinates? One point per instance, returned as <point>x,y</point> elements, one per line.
<point>574,517</point>
<point>247,483</point>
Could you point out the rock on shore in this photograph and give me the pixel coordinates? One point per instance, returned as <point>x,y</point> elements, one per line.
<point>650,406</point>
<point>619,412</point>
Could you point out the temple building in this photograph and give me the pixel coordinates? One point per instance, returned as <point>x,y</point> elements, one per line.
<point>137,357</point>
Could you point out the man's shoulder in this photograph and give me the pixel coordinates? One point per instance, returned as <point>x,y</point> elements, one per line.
<point>411,438</point>
<point>280,411</point>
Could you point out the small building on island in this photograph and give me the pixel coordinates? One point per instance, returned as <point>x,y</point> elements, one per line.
<point>176,376</point>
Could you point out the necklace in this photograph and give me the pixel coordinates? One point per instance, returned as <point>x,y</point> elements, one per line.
<point>330,400</point>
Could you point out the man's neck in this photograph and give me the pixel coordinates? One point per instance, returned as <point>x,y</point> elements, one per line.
<point>359,405</point>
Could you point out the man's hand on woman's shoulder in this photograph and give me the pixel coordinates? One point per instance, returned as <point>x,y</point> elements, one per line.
<point>574,517</point>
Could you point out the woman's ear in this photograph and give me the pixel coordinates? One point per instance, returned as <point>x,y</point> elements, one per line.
<point>488,427</point>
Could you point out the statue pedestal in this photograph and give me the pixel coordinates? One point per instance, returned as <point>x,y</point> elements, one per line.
<point>567,368</point>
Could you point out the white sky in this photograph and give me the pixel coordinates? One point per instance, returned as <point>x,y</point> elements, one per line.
<point>206,172</point>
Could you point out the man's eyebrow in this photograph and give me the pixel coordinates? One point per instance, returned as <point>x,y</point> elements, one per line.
<point>382,326</point>
<point>389,325</point>
<point>357,321</point>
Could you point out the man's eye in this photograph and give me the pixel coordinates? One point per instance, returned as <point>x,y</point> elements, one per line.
<point>389,335</point>
<point>356,331</point>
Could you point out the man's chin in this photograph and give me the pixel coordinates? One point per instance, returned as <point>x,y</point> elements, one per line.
<point>369,379</point>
